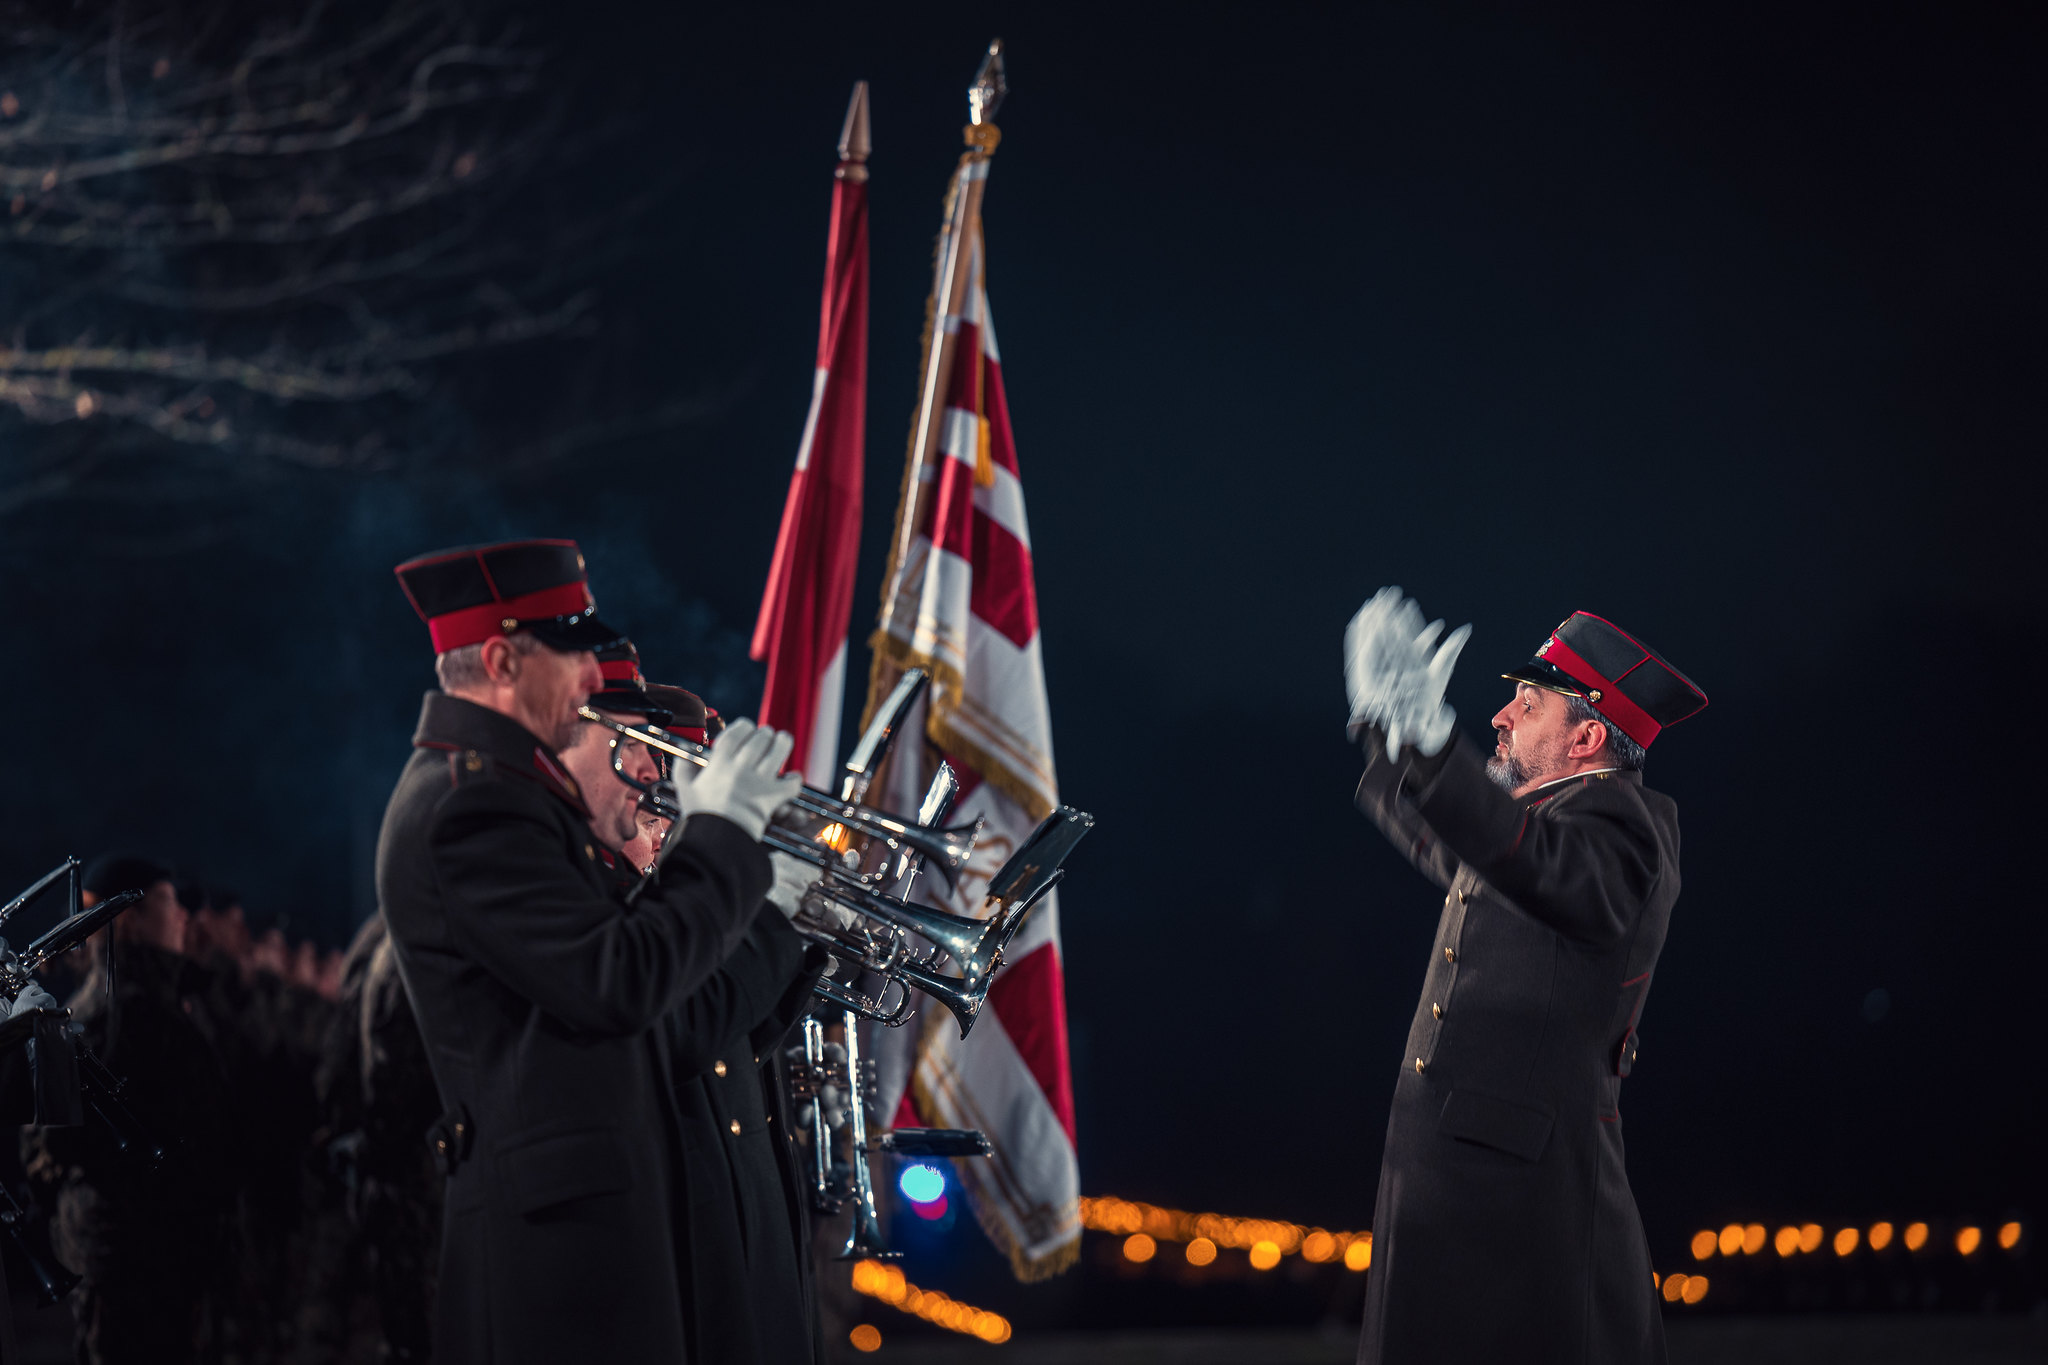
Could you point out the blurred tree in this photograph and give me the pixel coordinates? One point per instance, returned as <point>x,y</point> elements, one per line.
<point>292,239</point>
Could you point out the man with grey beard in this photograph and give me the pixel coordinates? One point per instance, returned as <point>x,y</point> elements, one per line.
<point>1504,1227</point>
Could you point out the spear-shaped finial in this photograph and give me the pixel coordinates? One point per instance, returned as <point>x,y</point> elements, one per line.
<point>985,96</point>
<point>854,141</point>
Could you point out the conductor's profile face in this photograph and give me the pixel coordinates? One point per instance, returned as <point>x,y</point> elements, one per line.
<point>1533,738</point>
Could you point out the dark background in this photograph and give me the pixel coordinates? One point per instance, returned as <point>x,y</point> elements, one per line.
<point>1724,325</point>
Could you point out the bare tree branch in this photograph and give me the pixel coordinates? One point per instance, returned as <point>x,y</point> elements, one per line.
<point>215,241</point>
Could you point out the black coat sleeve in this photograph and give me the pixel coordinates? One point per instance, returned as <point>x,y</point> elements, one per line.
<point>525,913</point>
<point>748,995</point>
<point>1586,871</point>
<point>1380,796</point>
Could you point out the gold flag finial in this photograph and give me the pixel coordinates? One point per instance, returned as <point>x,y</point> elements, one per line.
<point>854,140</point>
<point>985,96</point>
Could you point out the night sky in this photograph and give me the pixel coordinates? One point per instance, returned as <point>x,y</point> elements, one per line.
<point>1722,325</point>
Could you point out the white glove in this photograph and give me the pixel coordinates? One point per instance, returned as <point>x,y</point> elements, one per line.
<point>793,877</point>
<point>32,997</point>
<point>795,881</point>
<point>740,781</point>
<point>1396,673</point>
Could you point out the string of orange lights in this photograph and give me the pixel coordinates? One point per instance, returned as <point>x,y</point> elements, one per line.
<point>1144,1226</point>
<point>886,1283</point>
<point>1749,1239</point>
<point>1267,1241</point>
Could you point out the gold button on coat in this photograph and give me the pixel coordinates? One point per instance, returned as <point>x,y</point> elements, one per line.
<point>1437,1010</point>
<point>718,1068</point>
<point>1450,956</point>
<point>735,1127</point>
<point>1461,898</point>
<point>1418,1066</point>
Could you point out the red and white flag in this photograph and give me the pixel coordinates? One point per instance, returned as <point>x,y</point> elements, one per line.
<point>801,631</point>
<point>960,603</point>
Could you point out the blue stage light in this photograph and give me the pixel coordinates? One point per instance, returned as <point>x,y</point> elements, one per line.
<point>922,1184</point>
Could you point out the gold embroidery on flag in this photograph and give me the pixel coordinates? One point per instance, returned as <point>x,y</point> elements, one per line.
<point>984,463</point>
<point>1025,776</point>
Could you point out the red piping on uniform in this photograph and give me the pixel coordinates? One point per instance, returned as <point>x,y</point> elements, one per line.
<point>1521,829</point>
<point>489,581</point>
<point>469,551</point>
<point>1634,721</point>
<point>1634,979</point>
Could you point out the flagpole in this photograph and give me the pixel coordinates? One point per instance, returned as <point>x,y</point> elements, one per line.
<point>984,98</point>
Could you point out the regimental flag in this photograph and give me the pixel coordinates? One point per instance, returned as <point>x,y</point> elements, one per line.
<point>808,603</point>
<point>959,602</point>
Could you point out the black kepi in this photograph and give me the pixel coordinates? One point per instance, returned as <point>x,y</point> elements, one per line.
<point>469,594</point>
<point>1625,680</point>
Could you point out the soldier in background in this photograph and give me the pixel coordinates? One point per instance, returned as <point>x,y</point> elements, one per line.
<point>143,1240</point>
<point>748,1293</point>
<point>373,1233</point>
<point>751,1294</point>
<point>377,1099</point>
<point>217,947</point>
<point>401,1187</point>
<point>616,817</point>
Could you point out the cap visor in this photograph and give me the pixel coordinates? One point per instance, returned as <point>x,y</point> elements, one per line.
<point>573,633</point>
<point>1548,676</point>
<point>632,703</point>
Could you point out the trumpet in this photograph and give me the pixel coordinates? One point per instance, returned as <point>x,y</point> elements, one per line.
<point>816,1069</point>
<point>975,946</point>
<point>797,828</point>
<point>880,937</point>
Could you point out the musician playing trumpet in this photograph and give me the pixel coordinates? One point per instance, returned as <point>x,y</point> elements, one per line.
<point>746,1287</point>
<point>1504,1228</point>
<point>542,998</point>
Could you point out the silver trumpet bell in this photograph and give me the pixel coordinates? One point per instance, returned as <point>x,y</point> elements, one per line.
<point>975,946</point>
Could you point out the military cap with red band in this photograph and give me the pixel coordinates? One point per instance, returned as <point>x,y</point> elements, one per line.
<point>1625,680</point>
<point>625,687</point>
<point>469,594</point>
<point>689,718</point>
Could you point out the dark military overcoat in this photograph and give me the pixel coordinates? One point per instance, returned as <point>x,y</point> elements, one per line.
<point>747,1260</point>
<point>749,1298</point>
<point>1504,1228</point>
<point>540,998</point>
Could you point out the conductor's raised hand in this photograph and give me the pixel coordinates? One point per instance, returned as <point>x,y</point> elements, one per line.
<point>1397,672</point>
<point>743,780</point>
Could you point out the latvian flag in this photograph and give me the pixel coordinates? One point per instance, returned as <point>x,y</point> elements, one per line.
<point>801,631</point>
<point>959,602</point>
